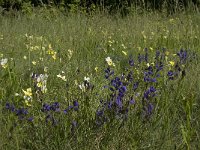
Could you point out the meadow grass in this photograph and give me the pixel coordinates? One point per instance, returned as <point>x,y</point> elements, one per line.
<point>68,48</point>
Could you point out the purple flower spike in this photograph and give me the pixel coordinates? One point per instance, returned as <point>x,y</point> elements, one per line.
<point>76,105</point>
<point>30,119</point>
<point>119,102</point>
<point>150,108</point>
<point>131,62</point>
<point>132,101</point>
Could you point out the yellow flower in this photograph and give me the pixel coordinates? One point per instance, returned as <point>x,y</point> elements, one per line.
<point>54,56</point>
<point>125,53</point>
<point>28,103</point>
<point>44,89</point>
<point>39,84</point>
<point>167,53</point>
<point>34,62</point>
<point>50,47</point>
<point>172,63</point>
<point>75,82</point>
<point>124,46</point>
<point>139,48</point>
<point>144,36</point>
<point>96,69</point>
<point>28,92</point>
<point>50,52</point>
<point>45,69</point>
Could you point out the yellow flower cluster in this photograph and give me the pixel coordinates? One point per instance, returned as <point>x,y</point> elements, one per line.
<point>51,52</point>
<point>28,96</point>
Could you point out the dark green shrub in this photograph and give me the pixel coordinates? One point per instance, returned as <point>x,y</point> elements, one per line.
<point>112,6</point>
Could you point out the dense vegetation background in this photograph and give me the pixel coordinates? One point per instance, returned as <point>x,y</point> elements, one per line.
<point>110,5</point>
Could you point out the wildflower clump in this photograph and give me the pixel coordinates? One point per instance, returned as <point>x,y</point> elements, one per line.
<point>51,52</point>
<point>138,88</point>
<point>86,85</point>
<point>28,96</point>
<point>4,62</point>
<point>40,82</point>
<point>21,113</point>
<point>109,61</point>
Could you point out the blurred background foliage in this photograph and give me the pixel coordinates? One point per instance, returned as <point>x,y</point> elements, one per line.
<point>112,6</point>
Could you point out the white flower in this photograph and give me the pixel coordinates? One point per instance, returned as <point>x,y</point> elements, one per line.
<point>45,69</point>
<point>96,69</point>
<point>4,62</point>
<point>16,94</point>
<point>42,78</point>
<point>41,82</point>
<point>124,46</point>
<point>44,89</point>
<point>62,77</point>
<point>109,61</point>
<point>70,53</point>
<point>82,87</point>
<point>25,57</point>
<point>87,79</point>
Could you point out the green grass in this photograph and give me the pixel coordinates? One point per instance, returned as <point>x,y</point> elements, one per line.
<point>174,123</point>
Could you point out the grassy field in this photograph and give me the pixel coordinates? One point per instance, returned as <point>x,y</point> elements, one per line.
<point>100,82</point>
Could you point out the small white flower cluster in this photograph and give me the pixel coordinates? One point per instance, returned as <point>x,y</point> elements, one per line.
<point>85,84</point>
<point>110,62</point>
<point>63,77</point>
<point>4,62</point>
<point>70,53</point>
<point>40,82</point>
